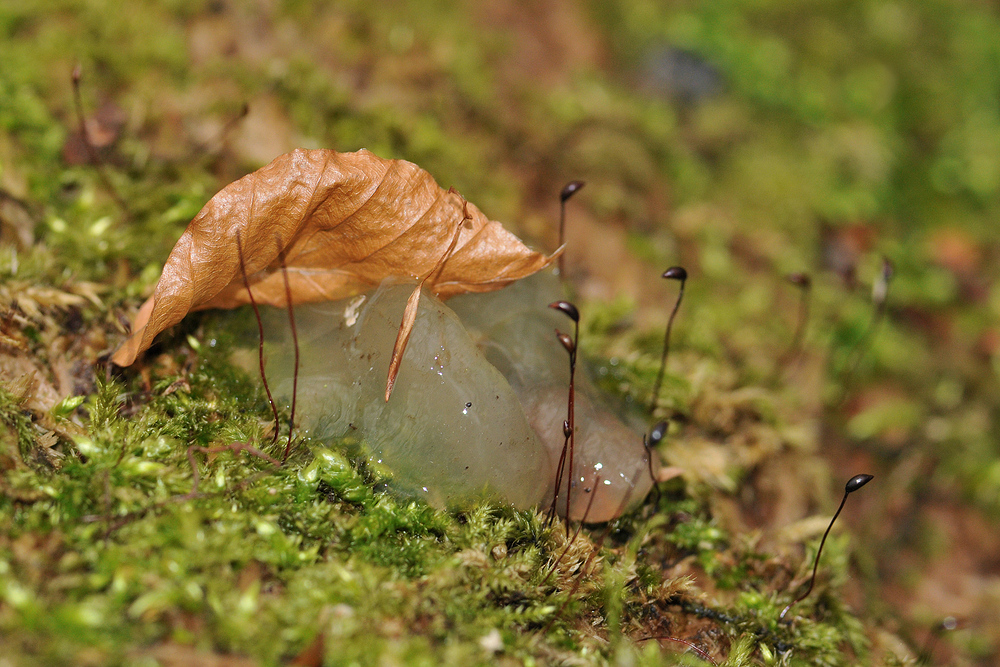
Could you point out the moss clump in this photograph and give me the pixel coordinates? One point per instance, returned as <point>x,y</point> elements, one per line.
<point>142,518</point>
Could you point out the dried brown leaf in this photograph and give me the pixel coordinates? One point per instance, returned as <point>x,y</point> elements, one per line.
<point>413,304</point>
<point>345,222</point>
<point>402,338</point>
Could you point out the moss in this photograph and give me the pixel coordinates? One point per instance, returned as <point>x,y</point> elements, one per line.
<point>141,512</point>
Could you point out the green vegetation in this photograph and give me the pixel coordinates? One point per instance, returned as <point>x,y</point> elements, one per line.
<point>142,519</point>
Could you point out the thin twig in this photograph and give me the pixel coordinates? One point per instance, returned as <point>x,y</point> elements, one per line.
<point>220,138</point>
<point>569,424</point>
<point>413,304</point>
<point>656,435</point>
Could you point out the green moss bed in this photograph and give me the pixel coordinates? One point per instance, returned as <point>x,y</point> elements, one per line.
<point>143,517</point>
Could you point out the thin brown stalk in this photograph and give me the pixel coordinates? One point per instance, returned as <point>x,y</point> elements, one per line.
<point>852,485</point>
<point>295,345</point>
<point>218,142</point>
<point>560,469</point>
<point>880,295</point>
<point>673,273</point>
<point>260,331</point>
<point>569,424</point>
<point>571,420</point>
<point>804,283</point>
<point>656,436</point>
<point>568,191</point>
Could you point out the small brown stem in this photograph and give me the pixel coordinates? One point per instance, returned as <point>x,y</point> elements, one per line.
<point>295,343</point>
<point>260,331</point>
<point>568,191</point>
<point>926,653</point>
<point>220,138</point>
<point>560,469</point>
<point>673,273</point>
<point>594,551</point>
<point>569,425</point>
<point>413,304</point>
<point>853,485</point>
<point>655,438</point>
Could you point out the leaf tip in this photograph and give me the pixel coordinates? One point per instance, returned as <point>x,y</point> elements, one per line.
<point>402,338</point>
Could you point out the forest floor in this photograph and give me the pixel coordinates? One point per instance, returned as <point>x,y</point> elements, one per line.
<point>744,141</point>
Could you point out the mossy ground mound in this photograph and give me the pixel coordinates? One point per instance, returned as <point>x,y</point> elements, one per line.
<point>742,140</point>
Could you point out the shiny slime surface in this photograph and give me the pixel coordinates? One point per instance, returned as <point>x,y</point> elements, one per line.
<point>478,407</point>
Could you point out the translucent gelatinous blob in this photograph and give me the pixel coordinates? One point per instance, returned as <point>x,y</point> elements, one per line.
<point>453,432</point>
<point>515,328</point>
<point>479,402</point>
